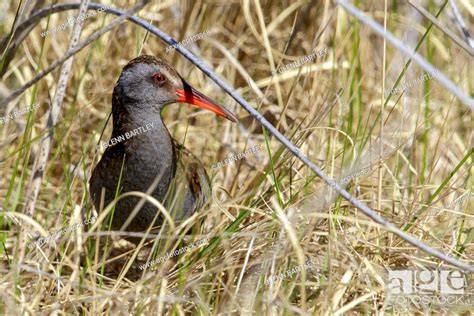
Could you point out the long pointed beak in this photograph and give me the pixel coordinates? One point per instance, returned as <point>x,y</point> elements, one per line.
<point>192,96</point>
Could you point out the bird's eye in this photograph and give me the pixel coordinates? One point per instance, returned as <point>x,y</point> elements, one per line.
<point>158,78</point>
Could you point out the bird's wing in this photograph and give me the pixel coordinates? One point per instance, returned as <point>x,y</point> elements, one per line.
<point>191,187</point>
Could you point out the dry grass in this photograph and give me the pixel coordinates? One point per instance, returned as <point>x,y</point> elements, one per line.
<point>269,213</point>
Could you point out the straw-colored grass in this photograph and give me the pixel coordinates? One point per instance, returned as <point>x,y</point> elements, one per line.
<point>408,156</point>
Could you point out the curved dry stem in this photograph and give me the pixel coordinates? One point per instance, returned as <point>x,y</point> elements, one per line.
<point>289,145</point>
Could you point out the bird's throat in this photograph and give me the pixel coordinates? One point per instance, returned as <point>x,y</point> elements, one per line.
<point>148,146</point>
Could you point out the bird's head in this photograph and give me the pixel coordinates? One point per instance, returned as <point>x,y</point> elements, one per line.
<point>151,82</point>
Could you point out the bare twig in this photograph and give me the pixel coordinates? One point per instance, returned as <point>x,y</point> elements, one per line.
<point>42,158</point>
<point>292,148</point>
<point>456,39</point>
<point>12,40</point>
<point>35,18</point>
<point>460,22</point>
<point>407,51</point>
<point>53,113</point>
<point>329,181</point>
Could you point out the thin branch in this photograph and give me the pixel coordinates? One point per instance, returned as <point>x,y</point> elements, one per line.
<point>42,158</point>
<point>456,39</point>
<point>36,17</point>
<point>460,22</point>
<point>407,51</point>
<point>292,148</point>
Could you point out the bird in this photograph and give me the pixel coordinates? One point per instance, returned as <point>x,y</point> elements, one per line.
<point>141,155</point>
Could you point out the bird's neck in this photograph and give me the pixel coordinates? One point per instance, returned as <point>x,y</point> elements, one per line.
<point>143,128</point>
<point>125,121</point>
<point>148,146</point>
